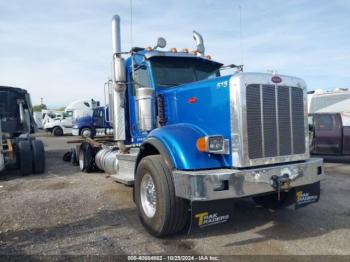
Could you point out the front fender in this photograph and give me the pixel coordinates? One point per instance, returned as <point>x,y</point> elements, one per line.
<point>179,140</point>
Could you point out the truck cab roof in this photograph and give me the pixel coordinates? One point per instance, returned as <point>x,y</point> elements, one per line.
<point>149,54</point>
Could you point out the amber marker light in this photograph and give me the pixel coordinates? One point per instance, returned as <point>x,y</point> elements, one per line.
<point>149,49</point>
<point>215,144</point>
<point>185,50</point>
<point>202,144</point>
<point>173,50</point>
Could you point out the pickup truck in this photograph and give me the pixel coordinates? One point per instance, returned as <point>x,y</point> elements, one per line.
<point>330,133</point>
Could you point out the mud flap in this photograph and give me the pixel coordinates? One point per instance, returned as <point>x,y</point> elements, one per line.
<point>210,213</point>
<point>305,195</point>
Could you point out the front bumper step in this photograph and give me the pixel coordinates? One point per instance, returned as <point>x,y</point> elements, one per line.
<point>218,184</point>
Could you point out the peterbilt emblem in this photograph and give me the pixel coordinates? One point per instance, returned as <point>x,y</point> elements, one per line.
<point>276,79</point>
<point>192,100</point>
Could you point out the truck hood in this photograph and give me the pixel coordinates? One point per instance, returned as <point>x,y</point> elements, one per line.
<point>205,104</point>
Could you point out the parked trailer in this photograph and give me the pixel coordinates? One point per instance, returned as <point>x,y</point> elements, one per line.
<point>18,149</point>
<point>190,141</point>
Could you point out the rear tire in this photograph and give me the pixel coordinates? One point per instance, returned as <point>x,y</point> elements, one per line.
<point>73,157</point>
<point>160,211</point>
<point>38,156</point>
<point>85,158</point>
<point>57,131</point>
<point>25,157</point>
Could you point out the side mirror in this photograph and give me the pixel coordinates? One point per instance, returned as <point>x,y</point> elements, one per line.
<point>161,42</point>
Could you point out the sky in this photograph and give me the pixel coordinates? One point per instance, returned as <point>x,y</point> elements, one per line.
<point>61,50</point>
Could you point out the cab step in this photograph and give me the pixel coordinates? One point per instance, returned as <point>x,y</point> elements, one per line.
<point>126,169</point>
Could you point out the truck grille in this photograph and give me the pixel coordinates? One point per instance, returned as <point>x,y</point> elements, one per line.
<point>275,121</point>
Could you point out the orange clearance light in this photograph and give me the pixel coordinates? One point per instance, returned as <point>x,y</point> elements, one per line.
<point>173,50</point>
<point>185,50</point>
<point>149,49</point>
<point>194,52</point>
<point>201,144</point>
<point>208,57</point>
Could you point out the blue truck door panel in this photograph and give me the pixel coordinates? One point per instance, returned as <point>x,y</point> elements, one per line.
<point>142,77</point>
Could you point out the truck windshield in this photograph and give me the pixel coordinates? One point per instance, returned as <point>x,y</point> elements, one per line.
<point>178,70</point>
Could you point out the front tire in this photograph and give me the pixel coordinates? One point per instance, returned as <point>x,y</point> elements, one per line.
<point>57,131</point>
<point>160,211</point>
<point>86,132</point>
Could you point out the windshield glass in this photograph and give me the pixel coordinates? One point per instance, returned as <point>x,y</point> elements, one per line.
<point>178,70</point>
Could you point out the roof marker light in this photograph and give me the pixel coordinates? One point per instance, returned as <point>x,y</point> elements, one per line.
<point>173,50</point>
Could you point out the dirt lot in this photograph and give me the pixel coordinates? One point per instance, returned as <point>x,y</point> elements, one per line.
<point>68,212</point>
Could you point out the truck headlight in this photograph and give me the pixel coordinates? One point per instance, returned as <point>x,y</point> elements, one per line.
<point>213,144</point>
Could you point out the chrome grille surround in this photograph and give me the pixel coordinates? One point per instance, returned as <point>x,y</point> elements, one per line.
<point>245,154</point>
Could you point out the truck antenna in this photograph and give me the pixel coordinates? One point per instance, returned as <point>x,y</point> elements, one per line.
<point>131,14</point>
<point>240,33</point>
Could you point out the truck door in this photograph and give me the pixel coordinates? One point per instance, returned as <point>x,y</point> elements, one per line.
<point>67,119</point>
<point>328,134</point>
<point>99,118</point>
<point>141,79</point>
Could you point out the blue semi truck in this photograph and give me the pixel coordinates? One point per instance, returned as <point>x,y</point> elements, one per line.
<point>191,141</point>
<point>96,125</point>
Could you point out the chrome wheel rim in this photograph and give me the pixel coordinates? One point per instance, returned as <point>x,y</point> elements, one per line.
<point>86,133</point>
<point>148,195</point>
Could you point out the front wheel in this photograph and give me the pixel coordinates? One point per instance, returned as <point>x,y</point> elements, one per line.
<point>57,131</point>
<point>160,211</point>
<point>86,132</point>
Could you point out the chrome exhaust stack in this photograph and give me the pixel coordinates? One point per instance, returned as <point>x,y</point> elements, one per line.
<point>117,94</point>
<point>199,42</point>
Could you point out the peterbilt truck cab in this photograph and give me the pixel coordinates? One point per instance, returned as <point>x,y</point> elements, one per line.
<point>95,125</point>
<point>191,141</point>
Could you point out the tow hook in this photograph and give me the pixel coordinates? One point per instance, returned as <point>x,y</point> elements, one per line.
<point>280,183</point>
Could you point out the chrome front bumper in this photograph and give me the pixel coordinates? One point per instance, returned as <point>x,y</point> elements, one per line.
<point>218,184</point>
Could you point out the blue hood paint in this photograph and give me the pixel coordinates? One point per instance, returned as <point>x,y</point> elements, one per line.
<point>194,110</point>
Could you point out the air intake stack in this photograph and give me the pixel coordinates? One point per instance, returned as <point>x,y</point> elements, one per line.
<point>117,94</point>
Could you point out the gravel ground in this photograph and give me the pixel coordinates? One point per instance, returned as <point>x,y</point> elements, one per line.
<point>66,212</point>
